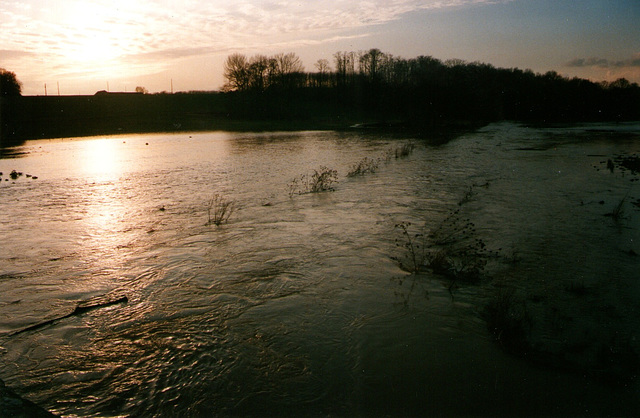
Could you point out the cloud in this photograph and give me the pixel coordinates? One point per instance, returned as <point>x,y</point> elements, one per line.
<point>133,25</point>
<point>51,39</point>
<point>172,53</point>
<point>604,62</point>
<point>11,54</point>
<point>288,16</point>
<point>160,54</point>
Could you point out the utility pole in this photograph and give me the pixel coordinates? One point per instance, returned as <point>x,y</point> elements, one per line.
<point>45,89</point>
<point>58,88</point>
<point>172,86</point>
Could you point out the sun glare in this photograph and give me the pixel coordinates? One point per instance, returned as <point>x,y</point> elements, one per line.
<point>101,159</point>
<point>97,36</point>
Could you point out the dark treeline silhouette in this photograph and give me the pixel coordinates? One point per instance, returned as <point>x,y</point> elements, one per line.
<point>427,91</point>
<point>370,87</point>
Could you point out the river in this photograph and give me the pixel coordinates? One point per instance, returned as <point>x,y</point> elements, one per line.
<point>308,303</point>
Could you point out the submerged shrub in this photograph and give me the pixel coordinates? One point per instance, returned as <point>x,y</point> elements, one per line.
<point>459,254</point>
<point>219,209</point>
<point>322,180</point>
<point>618,212</point>
<point>414,243</point>
<point>452,249</point>
<point>364,166</point>
<point>405,150</point>
<point>440,262</point>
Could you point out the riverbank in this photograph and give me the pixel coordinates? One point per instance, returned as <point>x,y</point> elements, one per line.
<point>41,117</point>
<point>25,118</point>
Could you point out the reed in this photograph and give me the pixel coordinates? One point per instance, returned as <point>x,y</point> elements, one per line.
<point>219,209</point>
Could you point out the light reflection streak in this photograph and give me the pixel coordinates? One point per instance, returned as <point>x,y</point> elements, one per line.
<point>100,158</point>
<point>108,207</point>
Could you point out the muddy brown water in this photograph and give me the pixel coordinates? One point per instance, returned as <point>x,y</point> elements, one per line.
<point>298,305</point>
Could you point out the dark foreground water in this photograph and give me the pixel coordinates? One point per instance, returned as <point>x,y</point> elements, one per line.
<point>302,305</point>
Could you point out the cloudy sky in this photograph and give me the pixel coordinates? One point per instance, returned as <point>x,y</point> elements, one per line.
<point>81,45</point>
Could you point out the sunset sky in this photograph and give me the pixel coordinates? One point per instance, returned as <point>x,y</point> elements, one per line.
<point>81,45</point>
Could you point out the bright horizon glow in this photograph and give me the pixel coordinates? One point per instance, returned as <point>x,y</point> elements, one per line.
<point>85,44</point>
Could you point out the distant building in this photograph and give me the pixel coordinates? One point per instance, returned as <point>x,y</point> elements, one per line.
<point>119,93</point>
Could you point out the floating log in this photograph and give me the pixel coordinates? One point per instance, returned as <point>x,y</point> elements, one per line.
<point>81,308</point>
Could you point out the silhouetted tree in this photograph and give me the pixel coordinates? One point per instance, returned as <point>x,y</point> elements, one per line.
<point>142,90</point>
<point>424,90</point>
<point>9,84</point>
<point>454,62</point>
<point>345,67</point>
<point>322,65</point>
<point>621,83</point>
<point>285,70</point>
<point>236,72</point>
<point>370,63</point>
<point>321,78</point>
<point>260,68</point>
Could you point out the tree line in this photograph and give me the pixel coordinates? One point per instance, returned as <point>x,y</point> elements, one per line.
<point>428,89</point>
<point>354,87</point>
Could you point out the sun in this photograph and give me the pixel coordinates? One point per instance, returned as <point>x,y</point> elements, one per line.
<point>95,33</point>
<point>95,47</point>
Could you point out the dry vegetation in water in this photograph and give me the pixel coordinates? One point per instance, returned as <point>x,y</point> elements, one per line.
<point>452,249</point>
<point>364,166</point>
<point>567,323</point>
<point>321,180</point>
<point>219,209</point>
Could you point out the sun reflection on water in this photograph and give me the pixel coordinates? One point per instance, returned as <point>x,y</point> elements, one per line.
<point>101,159</point>
<point>109,204</point>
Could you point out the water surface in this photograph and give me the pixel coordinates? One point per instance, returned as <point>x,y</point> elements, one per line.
<point>298,305</point>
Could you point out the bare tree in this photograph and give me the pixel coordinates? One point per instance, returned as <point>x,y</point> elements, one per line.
<point>288,63</point>
<point>260,68</point>
<point>370,63</point>
<point>345,66</point>
<point>236,72</point>
<point>286,68</point>
<point>322,65</point>
<point>322,77</point>
<point>455,62</point>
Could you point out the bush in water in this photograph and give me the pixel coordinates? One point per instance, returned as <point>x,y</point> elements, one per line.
<point>364,166</point>
<point>219,209</point>
<point>322,180</point>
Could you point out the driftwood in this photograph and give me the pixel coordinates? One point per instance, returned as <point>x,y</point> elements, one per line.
<point>81,308</point>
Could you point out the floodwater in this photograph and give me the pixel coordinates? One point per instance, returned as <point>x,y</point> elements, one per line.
<point>301,304</point>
